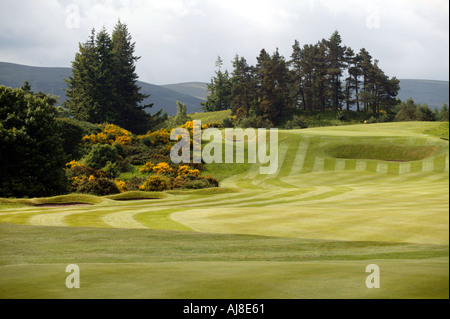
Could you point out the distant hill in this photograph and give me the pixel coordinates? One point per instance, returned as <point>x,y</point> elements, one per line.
<point>50,80</point>
<point>195,89</point>
<point>433,93</point>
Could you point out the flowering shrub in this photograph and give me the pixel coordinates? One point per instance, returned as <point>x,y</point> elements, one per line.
<point>161,136</point>
<point>185,170</point>
<point>85,179</point>
<point>76,169</point>
<point>155,184</point>
<point>162,168</point>
<point>115,150</point>
<point>111,134</point>
<point>121,186</point>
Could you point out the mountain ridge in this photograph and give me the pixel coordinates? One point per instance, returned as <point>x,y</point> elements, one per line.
<point>50,80</point>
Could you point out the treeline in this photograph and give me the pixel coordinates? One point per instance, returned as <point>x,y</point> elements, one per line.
<point>317,77</point>
<point>45,153</point>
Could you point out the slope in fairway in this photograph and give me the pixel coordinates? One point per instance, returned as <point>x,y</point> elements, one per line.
<point>311,227</point>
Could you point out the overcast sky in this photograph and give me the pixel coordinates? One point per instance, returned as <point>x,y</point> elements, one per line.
<point>179,40</point>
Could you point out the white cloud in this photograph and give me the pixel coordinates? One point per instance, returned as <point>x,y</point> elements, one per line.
<point>180,40</point>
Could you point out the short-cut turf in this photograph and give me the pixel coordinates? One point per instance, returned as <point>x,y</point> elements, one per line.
<point>307,231</point>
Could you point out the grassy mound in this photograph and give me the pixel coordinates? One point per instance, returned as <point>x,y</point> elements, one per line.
<point>55,200</point>
<point>134,195</point>
<point>440,131</point>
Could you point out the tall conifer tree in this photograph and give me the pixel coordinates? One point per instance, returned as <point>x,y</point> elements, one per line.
<point>102,87</point>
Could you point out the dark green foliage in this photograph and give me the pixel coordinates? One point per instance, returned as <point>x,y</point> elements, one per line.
<point>443,114</point>
<point>71,133</point>
<point>410,111</point>
<point>51,100</point>
<point>254,121</point>
<point>100,155</point>
<point>244,86</point>
<point>102,87</point>
<point>406,111</point>
<point>424,113</point>
<point>211,181</point>
<point>219,96</point>
<point>228,122</point>
<point>98,186</point>
<point>32,156</point>
<point>156,121</point>
<point>311,81</point>
<point>134,183</point>
<point>196,184</point>
<point>296,122</point>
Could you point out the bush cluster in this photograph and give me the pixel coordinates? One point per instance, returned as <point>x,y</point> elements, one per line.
<point>163,176</point>
<point>85,179</point>
<point>144,159</point>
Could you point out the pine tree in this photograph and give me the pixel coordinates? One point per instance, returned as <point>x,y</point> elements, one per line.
<point>132,115</point>
<point>219,97</point>
<point>366,69</point>
<point>320,82</point>
<point>297,75</point>
<point>244,86</point>
<point>102,87</point>
<point>273,91</point>
<point>307,74</point>
<point>335,64</point>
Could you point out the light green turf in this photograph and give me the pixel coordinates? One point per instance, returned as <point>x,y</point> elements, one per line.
<point>139,263</point>
<point>210,117</point>
<point>229,280</point>
<point>317,193</point>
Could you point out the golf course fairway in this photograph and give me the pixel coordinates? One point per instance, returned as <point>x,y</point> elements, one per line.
<point>341,199</point>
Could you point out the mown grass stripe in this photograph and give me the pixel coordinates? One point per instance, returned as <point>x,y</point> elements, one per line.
<point>122,220</point>
<point>285,196</point>
<point>404,168</point>
<point>428,165</point>
<point>297,165</point>
<point>289,158</point>
<point>339,164</point>
<point>446,162</point>
<point>360,165</point>
<point>382,168</point>
<point>319,163</point>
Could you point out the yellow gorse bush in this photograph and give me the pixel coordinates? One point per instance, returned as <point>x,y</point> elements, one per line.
<point>74,164</point>
<point>185,170</point>
<point>121,185</point>
<point>162,168</point>
<point>161,136</point>
<point>111,134</point>
<point>154,184</point>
